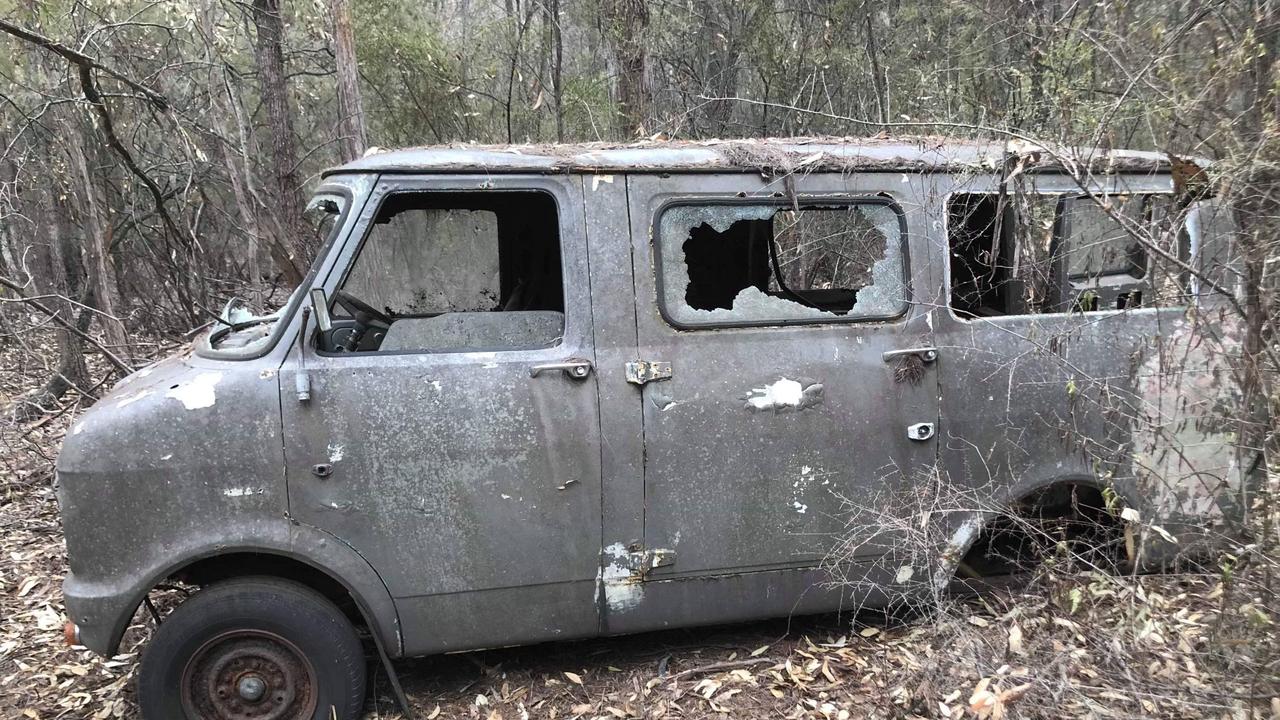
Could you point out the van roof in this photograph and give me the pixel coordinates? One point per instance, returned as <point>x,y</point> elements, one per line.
<point>769,155</point>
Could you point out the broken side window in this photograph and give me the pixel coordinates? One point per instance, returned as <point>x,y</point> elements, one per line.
<point>1022,253</point>
<point>461,272</point>
<point>760,264</point>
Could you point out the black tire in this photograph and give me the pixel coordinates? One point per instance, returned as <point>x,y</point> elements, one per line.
<point>292,651</point>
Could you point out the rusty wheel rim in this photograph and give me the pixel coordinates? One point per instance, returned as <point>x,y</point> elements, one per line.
<point>249,675</point>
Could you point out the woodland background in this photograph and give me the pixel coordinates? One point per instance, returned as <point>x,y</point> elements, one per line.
<point>155,158</point>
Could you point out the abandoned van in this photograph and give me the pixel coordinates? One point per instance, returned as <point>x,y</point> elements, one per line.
<point>542,393</point>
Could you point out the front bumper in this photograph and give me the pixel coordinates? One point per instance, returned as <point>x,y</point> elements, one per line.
<point>101,613</point>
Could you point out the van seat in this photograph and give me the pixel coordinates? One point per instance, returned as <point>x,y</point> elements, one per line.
<point>486,330</point>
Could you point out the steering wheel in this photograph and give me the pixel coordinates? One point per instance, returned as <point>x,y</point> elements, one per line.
<point>360,310</point>
<point>364,315</point>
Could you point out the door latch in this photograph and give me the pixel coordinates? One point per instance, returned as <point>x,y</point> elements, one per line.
<point>920,431</point>
<point>642,561</point>
<point>640,372</point>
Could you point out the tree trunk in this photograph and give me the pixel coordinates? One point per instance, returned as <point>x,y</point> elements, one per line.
<point>625,25</point>
<point>96,228</point>
<point>286,217</point>
<point>64,277</point>
<point>352,136</point>
<point>557,68</point>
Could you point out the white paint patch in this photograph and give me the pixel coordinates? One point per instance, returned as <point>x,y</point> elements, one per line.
<point>435,385</point>
<point>242,492</point>
<point>597,179</point>
<point>133,398</point>
<point>800,507</point>
<point>904,574</point>
<point>197,393</point>
<point>504,496</point>
<point>781,394</point>
<point>336,453</point>
<point>167,457</point>
<point>78,428</point>
<point>622,592</point>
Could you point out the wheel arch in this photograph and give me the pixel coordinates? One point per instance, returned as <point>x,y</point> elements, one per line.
<point>303,553</point>
<point>969,527</point>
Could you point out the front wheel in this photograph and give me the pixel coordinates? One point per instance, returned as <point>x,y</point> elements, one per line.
<point>260,649</point>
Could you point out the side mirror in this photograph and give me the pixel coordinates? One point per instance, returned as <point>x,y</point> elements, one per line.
<point>320,306</point>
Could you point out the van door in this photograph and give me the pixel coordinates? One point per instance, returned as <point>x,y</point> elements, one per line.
<point>789,400</point>
<point>457,448</point>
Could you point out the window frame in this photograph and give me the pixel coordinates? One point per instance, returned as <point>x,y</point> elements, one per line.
<point>1060,196</point>
<point>348,263</point>
<point>781,203</point>
<point>352,191</point>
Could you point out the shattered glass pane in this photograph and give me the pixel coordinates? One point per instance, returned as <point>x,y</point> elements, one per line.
<point>765,263</point>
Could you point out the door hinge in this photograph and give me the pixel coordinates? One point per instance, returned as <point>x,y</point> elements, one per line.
<point>642,561</point>
<point>640,372</point>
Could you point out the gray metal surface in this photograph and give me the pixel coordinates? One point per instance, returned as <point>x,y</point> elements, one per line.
<point>183,461</point>
<point>457,474</point>
<point>735,490</point>
<point>473,499</point>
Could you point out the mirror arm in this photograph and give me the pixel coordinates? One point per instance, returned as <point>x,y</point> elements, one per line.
<point>302,379</point>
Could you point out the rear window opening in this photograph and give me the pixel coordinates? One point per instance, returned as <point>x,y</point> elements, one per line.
<point>1023,254</point>
<point>753,264</point>
<point>461,272</point>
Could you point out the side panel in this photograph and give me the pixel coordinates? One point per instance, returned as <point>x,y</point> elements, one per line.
<point>1134,400</point>
<point>761,497</point>
<point>472,487</point>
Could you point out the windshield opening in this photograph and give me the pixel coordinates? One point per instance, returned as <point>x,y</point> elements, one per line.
<point>247,323</point>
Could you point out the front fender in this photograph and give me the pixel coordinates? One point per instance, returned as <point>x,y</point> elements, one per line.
<point>103,608</point>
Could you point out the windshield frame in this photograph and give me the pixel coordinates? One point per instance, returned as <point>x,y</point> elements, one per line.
<point>205,347</point>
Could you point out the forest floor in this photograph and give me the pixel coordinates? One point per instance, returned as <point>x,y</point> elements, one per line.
<point>1069,645</point>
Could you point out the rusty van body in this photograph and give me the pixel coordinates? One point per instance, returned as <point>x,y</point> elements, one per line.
<point>531,394</point>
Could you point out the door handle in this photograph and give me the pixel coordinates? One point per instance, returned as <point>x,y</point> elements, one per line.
<point>573,367</point>
<point>926,354</point>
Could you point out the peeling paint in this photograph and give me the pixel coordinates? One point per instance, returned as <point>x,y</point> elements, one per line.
<point>198,393</point>
<point>242,492</point>
<point>623,591</point>
<point>784,394</point>
<point>336,452</point>
<point>133,398</point>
